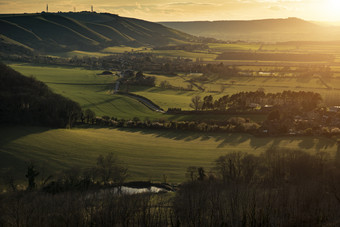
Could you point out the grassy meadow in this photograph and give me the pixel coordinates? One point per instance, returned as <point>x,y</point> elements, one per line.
<point>89,89</point>
<point>149,154</point>
<point>92,90</point>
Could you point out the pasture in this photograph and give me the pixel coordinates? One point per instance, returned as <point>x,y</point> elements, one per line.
<point>94,91</point>
<point>152,154</point>
<point>149,154</point>
<point>88,88</point>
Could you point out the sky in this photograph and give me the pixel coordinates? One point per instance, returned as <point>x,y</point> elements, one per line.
<point>176,10</point>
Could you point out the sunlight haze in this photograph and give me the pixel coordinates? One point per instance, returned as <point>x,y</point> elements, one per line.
<point>152,10</point>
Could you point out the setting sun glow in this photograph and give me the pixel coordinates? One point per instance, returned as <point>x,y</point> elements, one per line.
<point>331,10</point>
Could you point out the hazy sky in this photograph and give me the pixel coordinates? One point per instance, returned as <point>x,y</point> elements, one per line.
<point>176,10</point>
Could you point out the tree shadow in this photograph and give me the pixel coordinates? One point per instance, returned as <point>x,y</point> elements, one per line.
<point>323,144</point>
<point>307,143</point>
<point>337,154</point>
<point>232,140</point>
<point>11,133</point>
<point>223,140</point>
<point>91,104</point>
<point>258,142</point>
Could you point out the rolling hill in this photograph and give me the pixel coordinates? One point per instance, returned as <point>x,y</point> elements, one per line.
<point>49,32</point>
<point>27,101</point>
<point>267,30</point>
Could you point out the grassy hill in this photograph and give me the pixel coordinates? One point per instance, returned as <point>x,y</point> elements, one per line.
<point>268,30</point>
<point>83,31</point>
<point>27,101</point>
<point>89,89</point>
<point>148,153</point>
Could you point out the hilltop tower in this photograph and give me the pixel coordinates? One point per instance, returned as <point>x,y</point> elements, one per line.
<point>46,8</point>
<point>92,9</point>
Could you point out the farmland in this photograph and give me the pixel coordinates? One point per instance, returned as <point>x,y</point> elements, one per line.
<point>206,123</point>
<point>151,153</point>
<point>148,153</point>
<point>92,90</point>
<point>89,89</point>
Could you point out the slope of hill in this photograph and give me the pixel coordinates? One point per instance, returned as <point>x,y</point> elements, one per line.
<point>269,30</point>
<point>83,31</point>
<point>26,100</point>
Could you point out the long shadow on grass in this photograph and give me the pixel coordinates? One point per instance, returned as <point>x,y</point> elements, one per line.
<point>235,139</point>
<point>11,133</point>
<point>92,104</point>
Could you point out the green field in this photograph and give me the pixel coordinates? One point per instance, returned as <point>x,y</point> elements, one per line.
<point>186,54</point>
<point>177,98</point>
<point>92,90</point>
<point>123,49</point>
<point>242,46</point>
<point>89,89</point>
<point>79,53</point>
<point>148,153</point>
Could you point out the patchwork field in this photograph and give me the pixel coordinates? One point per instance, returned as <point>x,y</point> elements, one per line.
<point>151,154</point>
<point>92,90</point>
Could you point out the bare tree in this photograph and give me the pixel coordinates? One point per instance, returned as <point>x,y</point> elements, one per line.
<point>196,103</point>
<point>191,173</point>
<point>110,169</point>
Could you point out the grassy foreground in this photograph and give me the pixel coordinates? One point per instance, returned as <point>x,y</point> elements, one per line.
<point>148,153</point>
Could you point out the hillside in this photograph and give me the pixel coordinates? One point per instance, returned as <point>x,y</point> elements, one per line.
<point>27,101</point>
<point>150,154</point>
<point>268,30</point>
<point>48,32</point>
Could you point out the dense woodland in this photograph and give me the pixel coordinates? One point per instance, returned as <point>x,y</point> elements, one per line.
<point>27,101</point>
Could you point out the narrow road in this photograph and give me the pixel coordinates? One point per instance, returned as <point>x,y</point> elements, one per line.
<point>148,103</point>
<point>145,101</point>
<point>118,83</point>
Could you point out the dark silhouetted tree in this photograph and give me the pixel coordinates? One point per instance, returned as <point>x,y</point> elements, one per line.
<point>31,174</point>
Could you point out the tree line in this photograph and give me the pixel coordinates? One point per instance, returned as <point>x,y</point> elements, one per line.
<point>300,101</point>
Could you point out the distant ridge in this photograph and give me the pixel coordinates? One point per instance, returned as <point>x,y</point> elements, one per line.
<point>48,32</point>
<point>266,30</point>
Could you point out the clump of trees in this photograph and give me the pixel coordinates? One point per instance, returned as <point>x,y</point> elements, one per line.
<point>248,190</point>
<point>164,84</point>
<point>139,79</point>
<point>110,170</point>
<point>295,101</point>
<point>25,100</point>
